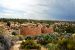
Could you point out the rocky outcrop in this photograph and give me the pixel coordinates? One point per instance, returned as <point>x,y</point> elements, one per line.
<point>35,29</point>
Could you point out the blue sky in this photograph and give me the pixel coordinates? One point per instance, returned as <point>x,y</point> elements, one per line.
<point>38,9</point>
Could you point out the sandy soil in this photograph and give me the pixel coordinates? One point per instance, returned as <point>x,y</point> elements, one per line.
<point>15,47</point>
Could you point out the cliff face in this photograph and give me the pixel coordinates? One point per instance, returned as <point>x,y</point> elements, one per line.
<point>47,30</point>
<point>30,30</point>
<point>35,30</point>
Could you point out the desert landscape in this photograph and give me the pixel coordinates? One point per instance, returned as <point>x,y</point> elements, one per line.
<point>37,24</point>
<point>36,34</point>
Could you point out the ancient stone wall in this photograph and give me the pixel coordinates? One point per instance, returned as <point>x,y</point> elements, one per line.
<point>34,30</point>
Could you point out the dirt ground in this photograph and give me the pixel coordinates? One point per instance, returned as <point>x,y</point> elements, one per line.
<point>15,47</point>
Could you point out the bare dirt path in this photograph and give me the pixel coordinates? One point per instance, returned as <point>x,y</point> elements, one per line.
<point>42,48</point>
<point>16,46</point>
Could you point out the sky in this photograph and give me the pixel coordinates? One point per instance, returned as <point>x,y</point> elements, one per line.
<point>38,9</point>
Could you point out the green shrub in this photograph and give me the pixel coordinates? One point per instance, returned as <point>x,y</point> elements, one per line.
<point>29,44</point>
<point>66,44</point>
<point>52,46</point>
<point>29,38</point>
<point>15,38</point>
<point>46,38</point>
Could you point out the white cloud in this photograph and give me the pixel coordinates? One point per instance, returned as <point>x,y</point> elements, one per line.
<point>38,9</point>
<point>26,8</point>
<point>18,4</point>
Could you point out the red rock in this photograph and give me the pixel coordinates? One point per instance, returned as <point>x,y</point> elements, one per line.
<point>35,30</point>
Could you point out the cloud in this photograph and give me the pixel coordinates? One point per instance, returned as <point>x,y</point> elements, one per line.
<point>38,9</point>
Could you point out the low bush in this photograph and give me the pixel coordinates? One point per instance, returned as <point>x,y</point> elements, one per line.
<point>47,38</point>
<point>29,44</point>
<point>52,46</point>
<point>29,37</point>
<point>5,43</point>
<point>66,44</point>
